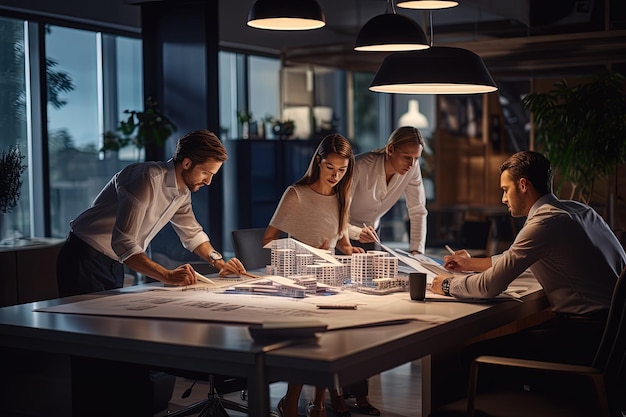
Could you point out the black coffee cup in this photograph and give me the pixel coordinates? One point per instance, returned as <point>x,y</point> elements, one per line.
<point>417,286</point>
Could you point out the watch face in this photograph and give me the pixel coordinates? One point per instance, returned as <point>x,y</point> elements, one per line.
<point>215,255</point>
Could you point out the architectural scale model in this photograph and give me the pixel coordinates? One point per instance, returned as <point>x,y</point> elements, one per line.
<point>313,270</point>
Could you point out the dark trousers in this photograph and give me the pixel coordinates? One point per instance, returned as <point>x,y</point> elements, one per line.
<point>82,269</point>
<point>564,338</point>
<point>357,389</point>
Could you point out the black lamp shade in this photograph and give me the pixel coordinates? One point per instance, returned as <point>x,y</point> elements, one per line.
<point>427,4</point>
<point>437,70</point>
<point>286,15</point>
<point>391,32</point>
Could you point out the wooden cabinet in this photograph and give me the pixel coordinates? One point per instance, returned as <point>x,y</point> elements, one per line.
<point>29,271</point>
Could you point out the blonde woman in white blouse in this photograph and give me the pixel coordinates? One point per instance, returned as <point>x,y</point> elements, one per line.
<point>381,177</point>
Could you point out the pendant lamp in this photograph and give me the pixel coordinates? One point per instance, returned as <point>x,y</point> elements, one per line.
<point>437,70</point>
<point>427,4</point>
<point>286,15</point>
<point>391,32</point>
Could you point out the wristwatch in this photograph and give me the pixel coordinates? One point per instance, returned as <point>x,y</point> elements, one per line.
<point>215,256</point>
<point>445,286</point>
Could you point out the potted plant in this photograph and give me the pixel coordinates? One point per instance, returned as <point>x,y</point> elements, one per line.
<point>11,170</point>
<point>147,129</point>
<point>582,130</point>
<point>244,118</point>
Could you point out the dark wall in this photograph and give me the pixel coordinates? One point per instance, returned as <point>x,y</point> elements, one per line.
<point>119,14</point>
<point>180,41</point>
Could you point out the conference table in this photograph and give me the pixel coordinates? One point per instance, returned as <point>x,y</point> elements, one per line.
<point>343,357</point>
<point>336,358</point>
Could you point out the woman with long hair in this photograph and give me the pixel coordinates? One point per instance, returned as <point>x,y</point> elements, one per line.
<point>315,210</point>
<point>381,177</point>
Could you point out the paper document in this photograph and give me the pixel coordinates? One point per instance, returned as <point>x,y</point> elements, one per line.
<point>428,263</point>
<point>236,308</point>
<point>202,278</point>
<point>413,263</point>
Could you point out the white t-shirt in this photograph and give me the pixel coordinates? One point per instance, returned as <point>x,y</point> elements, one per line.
<point>307,216</point>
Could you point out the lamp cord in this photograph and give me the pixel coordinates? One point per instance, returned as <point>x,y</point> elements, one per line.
<point>430,18</point>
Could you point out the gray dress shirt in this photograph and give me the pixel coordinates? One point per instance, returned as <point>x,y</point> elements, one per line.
<point>570,250</point>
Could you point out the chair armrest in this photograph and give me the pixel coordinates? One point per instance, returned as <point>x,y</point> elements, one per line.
<point>538,365</point>
<point>595,375</point>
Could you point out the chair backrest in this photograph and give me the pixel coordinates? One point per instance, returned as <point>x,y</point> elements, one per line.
<point>611,356</point>
<point>248,246</point>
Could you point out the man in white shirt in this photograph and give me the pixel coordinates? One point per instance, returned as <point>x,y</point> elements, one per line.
<point>131,209</point>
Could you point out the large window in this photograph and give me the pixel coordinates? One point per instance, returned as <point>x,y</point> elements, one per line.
<point>13,122</point>
<point>85,102</point>
<point>74,125</point>
<point>56,108</point>
<point>264,91</point>
<point>248,85</point>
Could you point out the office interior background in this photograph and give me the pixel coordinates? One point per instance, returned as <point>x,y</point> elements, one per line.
<point>70,69</point>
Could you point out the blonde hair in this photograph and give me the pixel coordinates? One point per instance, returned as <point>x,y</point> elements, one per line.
<point>402,136</point>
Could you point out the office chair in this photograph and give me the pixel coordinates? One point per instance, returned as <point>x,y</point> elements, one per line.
<point>602,386</point>
<point>248,246</point>
<point>214,405</point>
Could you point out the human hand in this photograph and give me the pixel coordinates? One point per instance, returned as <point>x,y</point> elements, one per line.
<point>357,249</point>
<point>458,261</point>
<point>325,244</point>
<point>367,235</point>
<point>435,286</point>
<point>182,275</point>
<point>232,267</point>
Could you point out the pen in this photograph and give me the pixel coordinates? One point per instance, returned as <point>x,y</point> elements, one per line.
<point>336,306</point>
<point>372,233</point>
<point>247,274</point>
<point>449,249</point>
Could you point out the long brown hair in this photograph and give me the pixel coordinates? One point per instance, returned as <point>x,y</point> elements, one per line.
<point>333,143</point>
<point>402,136</point>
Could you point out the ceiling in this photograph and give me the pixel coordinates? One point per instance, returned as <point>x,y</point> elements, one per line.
<point>514,37</point>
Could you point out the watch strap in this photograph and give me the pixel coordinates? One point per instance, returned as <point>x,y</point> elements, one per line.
<point>445,286</point>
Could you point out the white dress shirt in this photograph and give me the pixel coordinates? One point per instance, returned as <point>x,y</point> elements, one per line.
<point>372,197</point>
<point>133,207</point>
<point>568,247</point>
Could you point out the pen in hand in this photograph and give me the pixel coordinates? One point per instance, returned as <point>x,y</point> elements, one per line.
<point>372,232</point>
<point>449,249</point>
